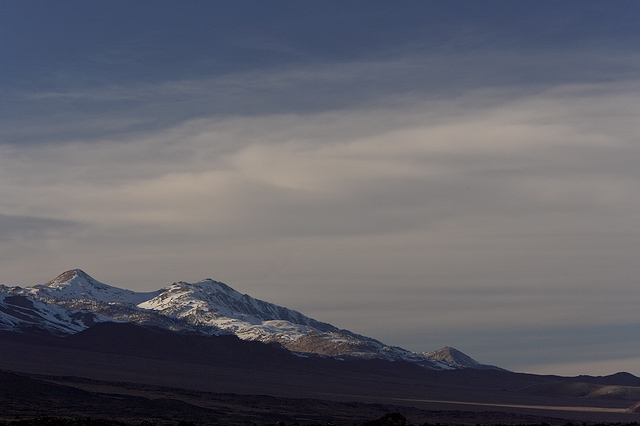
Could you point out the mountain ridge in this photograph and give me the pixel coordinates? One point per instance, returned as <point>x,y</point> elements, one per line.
<point>75,301</point>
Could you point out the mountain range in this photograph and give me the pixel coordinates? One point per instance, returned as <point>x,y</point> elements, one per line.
<point>204,352</point>
<point>74,301</point>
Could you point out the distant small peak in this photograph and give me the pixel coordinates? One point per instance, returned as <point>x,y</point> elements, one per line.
<point>451,350</point>
<point>453,356</point>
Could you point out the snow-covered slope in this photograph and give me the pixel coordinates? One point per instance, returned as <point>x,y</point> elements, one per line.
<point>75,301</point>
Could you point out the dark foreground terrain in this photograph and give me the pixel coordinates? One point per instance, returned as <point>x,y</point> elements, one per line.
<point>28,398</point>
<point>134,375</point>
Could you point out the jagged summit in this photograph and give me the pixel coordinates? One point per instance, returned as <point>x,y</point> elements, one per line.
<point>74,301</point>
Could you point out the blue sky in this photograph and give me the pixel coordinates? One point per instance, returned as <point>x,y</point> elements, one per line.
<point>455,173</point>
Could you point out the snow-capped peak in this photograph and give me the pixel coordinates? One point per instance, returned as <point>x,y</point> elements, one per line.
<point>216,303</point>
<point>77,284</point>
<point>74,276</point>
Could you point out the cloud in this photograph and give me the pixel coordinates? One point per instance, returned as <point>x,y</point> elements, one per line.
<point>28,229</point>
<point>514,173</point>
<point>76,109</point>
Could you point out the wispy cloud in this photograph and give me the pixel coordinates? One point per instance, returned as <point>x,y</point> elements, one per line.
<point>77,109</point>
<point>29,229</point>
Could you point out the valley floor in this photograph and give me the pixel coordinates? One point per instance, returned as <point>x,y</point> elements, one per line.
<point>235,383</point>
<point>68,397</point>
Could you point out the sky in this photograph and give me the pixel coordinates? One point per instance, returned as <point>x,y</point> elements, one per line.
<point>426,173</point>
